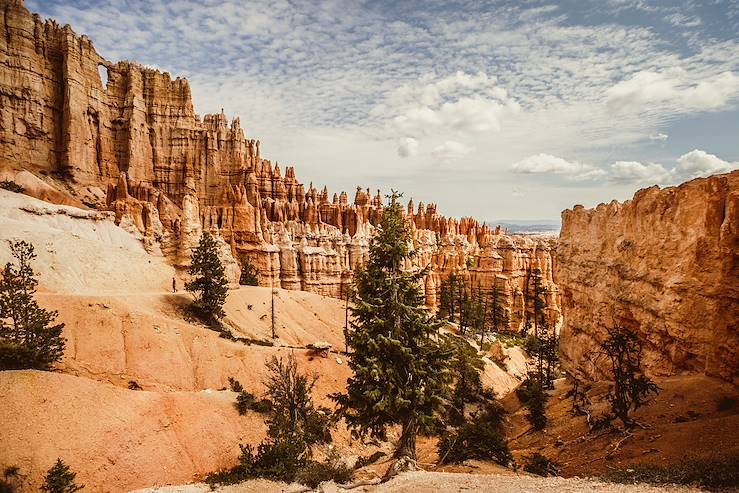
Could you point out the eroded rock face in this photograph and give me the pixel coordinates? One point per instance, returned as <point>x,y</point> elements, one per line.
<point>664,264</point>
<point>169,176</point>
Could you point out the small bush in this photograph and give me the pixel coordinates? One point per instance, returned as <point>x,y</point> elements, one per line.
<point>713,474</point>
<point>540,465</point>
<point>11,186</point>
<point>246,401</point>
<point>60,479</point>
<point>134,385</point>
<point>333,469</point>
<point>7,483</point>
<point>478,439</point>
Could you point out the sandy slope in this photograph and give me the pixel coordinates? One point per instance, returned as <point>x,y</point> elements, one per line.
<point>122,325</point>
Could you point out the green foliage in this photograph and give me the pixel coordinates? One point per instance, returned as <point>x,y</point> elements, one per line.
<point>209,284</point>
<point>631,387</point>
<point>465,365</point>
<point>532,395</point>
<point>294,423</point>
<point>60,479</point>
<point>27,337</point>
<point>712,474</point>
<point>11,186</point>
<point>478,439</point>
<point>333,469</point>
<point>399,368</point>
<point>540,465</point>
<point>365,461</point>
<point>249,273</point>
<point>246,401</point>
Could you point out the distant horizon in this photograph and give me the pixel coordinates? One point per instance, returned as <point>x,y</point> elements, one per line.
<point>484,108</point>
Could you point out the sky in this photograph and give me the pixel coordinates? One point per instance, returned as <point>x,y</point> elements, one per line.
<point>495,109</point>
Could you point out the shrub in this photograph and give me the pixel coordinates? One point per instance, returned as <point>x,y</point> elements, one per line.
<point>246,401</point>
<point>478,439</point>
<point>11,186</point>
<point>8,483</point>
<point>134,385</point>
<point>249,273</point>
<point>332,469</point>
<point>540,465</point>
<point>60,479</point>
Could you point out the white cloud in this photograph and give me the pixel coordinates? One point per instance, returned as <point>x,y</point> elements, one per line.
<point>673,88</point>
<point>451,150</point>
<point>633,172</point>
<point>543,164</point>
<point>700,163</point>
<point>407,147</point>
<point>659,136</point>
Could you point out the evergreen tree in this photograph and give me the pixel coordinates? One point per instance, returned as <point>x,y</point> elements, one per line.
<point>60,479</point>
<point>465,365</point>
<point>498,315</point>
<point>631,387</point>
<point>249,273</point>
<point>400,374</point>
<point>27,337</point>
<point>209,284</point>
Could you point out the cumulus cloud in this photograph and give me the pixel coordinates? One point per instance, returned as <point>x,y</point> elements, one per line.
<point>633,172</point>
<point>542,164</point>
<point>659,136</point>
<point>451,150</point>
<point>700,163</point>
<point>672,88</point>
<point>407,147</point>
<point>694,164</point>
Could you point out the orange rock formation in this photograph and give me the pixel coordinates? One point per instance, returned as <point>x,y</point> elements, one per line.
<point>665,264</point>
<point>136,146</point>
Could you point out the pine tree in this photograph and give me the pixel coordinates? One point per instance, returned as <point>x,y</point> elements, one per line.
<point>400,371</point>
<point>631,387</point>
<point>60,479</point>
<point>27,337</point>
<point>209,284</point>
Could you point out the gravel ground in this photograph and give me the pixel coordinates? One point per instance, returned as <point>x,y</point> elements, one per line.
<point>425,482</point>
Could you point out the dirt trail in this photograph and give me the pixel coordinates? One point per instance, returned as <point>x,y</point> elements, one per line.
<point>436,482</point>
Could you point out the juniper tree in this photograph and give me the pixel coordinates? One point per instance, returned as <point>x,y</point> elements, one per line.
<point>400,371</point>
<point>209,284</point>
<point>28,336</point>
<point>631,387</point>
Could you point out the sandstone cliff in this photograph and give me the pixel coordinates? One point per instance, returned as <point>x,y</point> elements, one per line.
<point>665,264</point>
<point>134,145</point>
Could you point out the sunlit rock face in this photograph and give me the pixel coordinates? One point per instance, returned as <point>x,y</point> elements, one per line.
<point>133,144</point>
<point>664,264</point>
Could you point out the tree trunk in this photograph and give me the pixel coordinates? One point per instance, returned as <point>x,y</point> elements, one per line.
<point>407,442</point>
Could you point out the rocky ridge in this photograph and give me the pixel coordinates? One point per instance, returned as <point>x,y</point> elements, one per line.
<point>135,145</point>
<point>665,265</point>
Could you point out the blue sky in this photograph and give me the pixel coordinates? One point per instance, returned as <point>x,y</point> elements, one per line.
<point>492,109</point>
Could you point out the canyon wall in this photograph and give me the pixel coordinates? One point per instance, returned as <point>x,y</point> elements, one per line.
<point>664,264</point>
<point>133,144</point>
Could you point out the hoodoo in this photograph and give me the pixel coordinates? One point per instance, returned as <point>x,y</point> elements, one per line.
<point>134,145</point>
